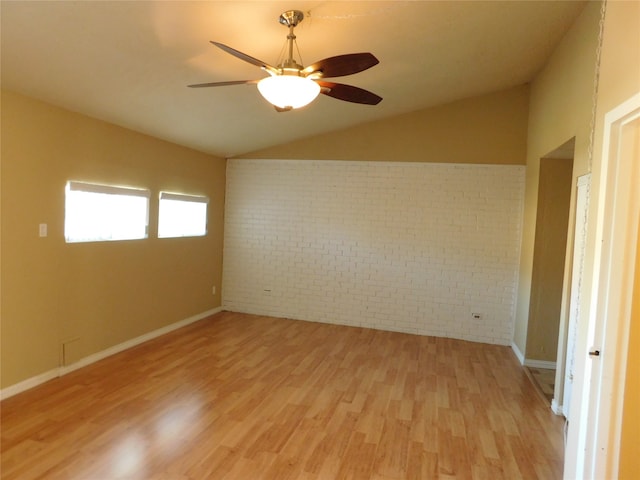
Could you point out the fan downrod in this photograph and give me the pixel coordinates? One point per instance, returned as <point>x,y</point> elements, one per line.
<point>291,18</point>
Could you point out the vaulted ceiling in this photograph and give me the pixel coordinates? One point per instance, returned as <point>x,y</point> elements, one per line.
<point>128,62</point>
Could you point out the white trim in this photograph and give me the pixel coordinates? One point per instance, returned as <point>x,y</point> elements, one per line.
<point>73,185</point>
<point>569,325</point>
<point>135,341</point>
<point>29,383</point>
<point>595,416</point>
<point>182,197</point>
<point>529,362</point>
<point>518,353</point>
<point>613,299</point>
<point>63,370</point>
<point>555,408</point>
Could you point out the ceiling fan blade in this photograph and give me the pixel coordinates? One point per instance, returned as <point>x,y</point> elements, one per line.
<point>349,93</point>
<point>342,65</point>
<point>223,84</point>
<point>245,57</point>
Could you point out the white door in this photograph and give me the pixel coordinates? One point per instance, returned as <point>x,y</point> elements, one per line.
<point>593,444</point>
<point>580,236</point>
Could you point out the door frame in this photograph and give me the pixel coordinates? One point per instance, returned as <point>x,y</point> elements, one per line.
<point>595,422</point>
<point>567,335</point>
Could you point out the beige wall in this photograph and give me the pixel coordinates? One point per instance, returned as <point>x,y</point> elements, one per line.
<point>559,109</point>
<point>554,194</point>
<point>630,445</point>
<point>489,129</point>
<point>101,293</point>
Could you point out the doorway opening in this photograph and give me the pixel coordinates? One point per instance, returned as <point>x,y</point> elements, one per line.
<point>548,274</point>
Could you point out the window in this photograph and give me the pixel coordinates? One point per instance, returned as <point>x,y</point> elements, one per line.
<point>102,212</point>
<point>182,215</point>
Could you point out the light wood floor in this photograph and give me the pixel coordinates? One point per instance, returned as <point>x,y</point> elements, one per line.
<point>247,397</point>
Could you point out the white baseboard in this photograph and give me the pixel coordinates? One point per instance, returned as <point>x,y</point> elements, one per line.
<point>518,353</point>
<point>63,370</point>
<point>555,408</point>
<point>528,362</point>
<point>29,383</point>
<point>539,364</point>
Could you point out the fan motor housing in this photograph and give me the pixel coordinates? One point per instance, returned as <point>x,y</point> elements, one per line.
<point>291,18</point>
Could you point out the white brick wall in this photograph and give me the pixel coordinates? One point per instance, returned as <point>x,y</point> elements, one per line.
<point>410,247</point>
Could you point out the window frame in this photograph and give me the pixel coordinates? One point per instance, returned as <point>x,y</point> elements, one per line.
<point>187,198</point>
<point>105,189</point>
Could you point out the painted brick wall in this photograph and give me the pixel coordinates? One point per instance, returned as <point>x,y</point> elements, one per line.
<point>410,247</point>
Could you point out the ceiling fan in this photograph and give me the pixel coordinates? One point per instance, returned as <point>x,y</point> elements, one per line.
<point>290,85</point>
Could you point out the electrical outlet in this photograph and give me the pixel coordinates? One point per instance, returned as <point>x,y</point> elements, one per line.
<point>213,290</point>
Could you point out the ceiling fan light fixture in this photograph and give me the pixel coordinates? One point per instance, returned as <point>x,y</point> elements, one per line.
<point>288,91</point>
<point>293,86</point>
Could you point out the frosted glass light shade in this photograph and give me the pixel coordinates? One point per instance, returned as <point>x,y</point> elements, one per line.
<point>286,91</point>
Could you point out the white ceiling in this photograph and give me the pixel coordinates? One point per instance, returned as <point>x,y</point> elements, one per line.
<point>128,62</point>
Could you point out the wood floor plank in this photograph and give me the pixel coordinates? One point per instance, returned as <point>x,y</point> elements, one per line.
<point>244,396</point>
